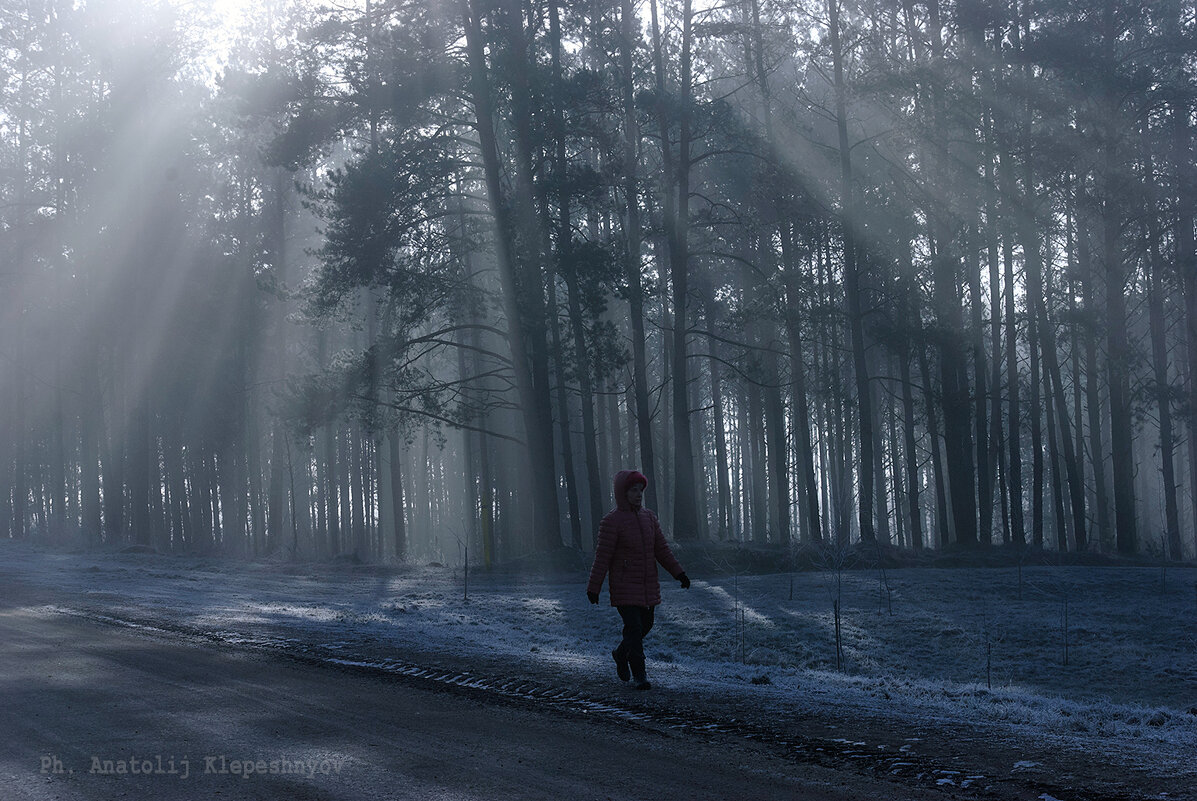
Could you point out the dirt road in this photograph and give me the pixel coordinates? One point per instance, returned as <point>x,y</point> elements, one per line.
<point>97,712</point>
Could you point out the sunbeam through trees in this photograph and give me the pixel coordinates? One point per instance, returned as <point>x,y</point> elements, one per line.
<point>390,279</point>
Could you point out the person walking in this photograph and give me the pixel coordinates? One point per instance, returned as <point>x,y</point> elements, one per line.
<point>630,544</point>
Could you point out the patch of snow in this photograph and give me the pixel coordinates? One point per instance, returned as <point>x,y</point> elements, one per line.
<point>1126,690</point>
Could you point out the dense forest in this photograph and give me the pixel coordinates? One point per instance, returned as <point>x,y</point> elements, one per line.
<point>398,278</point>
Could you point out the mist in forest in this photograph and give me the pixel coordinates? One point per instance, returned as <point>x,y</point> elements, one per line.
<point>411,280</point>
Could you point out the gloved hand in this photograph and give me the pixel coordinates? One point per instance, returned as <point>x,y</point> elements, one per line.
<point>685,580</point>
<point>593,596</point>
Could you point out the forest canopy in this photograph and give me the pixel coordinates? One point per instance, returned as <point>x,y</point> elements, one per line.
<point>396,278</point>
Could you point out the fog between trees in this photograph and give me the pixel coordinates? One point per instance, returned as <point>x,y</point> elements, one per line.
<point>401,278</point>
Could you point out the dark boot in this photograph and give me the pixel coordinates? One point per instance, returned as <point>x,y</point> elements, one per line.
<point>621,665</point>
<point>637,665</point>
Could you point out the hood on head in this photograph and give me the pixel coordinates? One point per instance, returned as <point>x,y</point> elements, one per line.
<point>623,480</point>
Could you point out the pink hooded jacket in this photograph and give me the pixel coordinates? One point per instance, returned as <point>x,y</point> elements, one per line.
<point>630,544</point>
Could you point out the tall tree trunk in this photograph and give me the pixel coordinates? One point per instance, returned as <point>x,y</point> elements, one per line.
<point>664,431</point>
<point>1059,527</point>
<point>91,425</point>
<point>877,404</point>
<point>954,400</point>
<point>739,472</point>
<point>910,452</point>
<point>1078,413</point>
<point>1186,262</point>
<point>232,501</point>
<point>563,418</point>
<point>699,467</point>
<point>980,379</point>
<point>1037,303</point>
<point>200,506</point>
<point>723,520</point>
<point>357,444</point>
<point>487,502</point>
<point>138,475</point>
<point>1076,484</point>
<point>20,254</point>
<point>568,267</point>
<point>331,486</point>
<point>252,443</point>
<point>756,477</point>
<point>9,441</point>
<point>209,479</point>
<point>345,489</point>
<point>852,281</point>
<point>1118,355</point>
<point>180,530</point>
<point>775,407</point>
<point>777,449</point>
<point>1036,407</point>
<point>632,238</point>
<point>1014,438</point>
<point>276,523</point>
<point>808,488</point>
<point>942,517</point>
<point>899,492</point>
<point>520,265</point>
<point>587,399</point>
<point>835,412</point>
<point>398,505</point>
<point>57,493</point>
<point>958,440</point>
<point>908,300</point>
<point>1093,408</point>
<point>112,477</point>
<point>1159,352</point>
<point>997,461</point>
<point>677,227</point>
<point>1118,373</point>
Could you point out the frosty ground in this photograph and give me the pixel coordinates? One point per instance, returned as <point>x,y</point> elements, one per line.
<point>1077,681</point>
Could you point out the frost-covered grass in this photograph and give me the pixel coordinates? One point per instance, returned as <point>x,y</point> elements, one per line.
<point>990,647</point>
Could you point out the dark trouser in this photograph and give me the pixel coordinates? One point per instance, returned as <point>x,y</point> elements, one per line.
<point>637,621</point>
